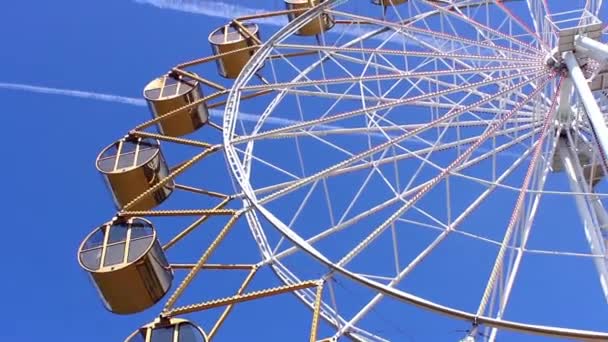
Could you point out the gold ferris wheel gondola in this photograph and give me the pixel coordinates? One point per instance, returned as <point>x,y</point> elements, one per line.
<point>124,258</point>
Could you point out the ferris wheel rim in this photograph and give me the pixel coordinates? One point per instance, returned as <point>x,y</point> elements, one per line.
<point>230,117</point>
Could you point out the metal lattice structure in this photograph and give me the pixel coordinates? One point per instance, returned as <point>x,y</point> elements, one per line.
<point>365,142</point>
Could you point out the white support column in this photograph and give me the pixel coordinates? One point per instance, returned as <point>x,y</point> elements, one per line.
<point>564,111</point>
<point>596,119</point>
<point>588,210</point>
<point>592,47</point>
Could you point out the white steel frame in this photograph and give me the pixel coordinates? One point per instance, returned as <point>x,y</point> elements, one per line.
<point>517,107</point>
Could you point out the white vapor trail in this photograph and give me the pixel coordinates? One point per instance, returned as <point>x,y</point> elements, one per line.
<point>212,8</point>
<point>73,93</point>
<point>218,9</point>
<point>133,101</point>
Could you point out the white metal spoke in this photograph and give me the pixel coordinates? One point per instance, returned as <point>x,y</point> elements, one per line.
<point>536,33</point>
<point>413,154</point>
<point>483,27</point>
<point>591,210</point>
<point>343,164</point>
<point>517,211</point>
<point>408,53</point>
<point>414,118</point>
<point>392,69</point>
<point>407,193</point>
<point>444,233</point>
<point>337,117</point>
<point>538,10</point>
<point>521,246</point>
<point>371,237</point>
<point>373,131</point>
<point>420,74</point>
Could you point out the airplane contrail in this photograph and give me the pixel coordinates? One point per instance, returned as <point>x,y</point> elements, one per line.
<point>133,101</point>
<point>218,9</point>
<point>74,93</point>
<point>213,9</point>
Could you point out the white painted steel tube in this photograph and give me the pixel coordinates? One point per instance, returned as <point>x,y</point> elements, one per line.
<point>587,212</point>
<point>596,49</point>
<point>596,119</point>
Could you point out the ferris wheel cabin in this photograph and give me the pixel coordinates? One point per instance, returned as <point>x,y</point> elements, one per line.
<point>323,23</point>
<point>232,41</point>
<point>133,166</point>
<point>127,265</point>
<point>171,92</point>
<point>168,330</point>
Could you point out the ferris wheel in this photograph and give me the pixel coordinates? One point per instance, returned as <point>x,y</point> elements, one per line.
<point>390,158</point>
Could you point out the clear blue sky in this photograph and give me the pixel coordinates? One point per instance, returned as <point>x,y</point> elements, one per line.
<point>54,196</point>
